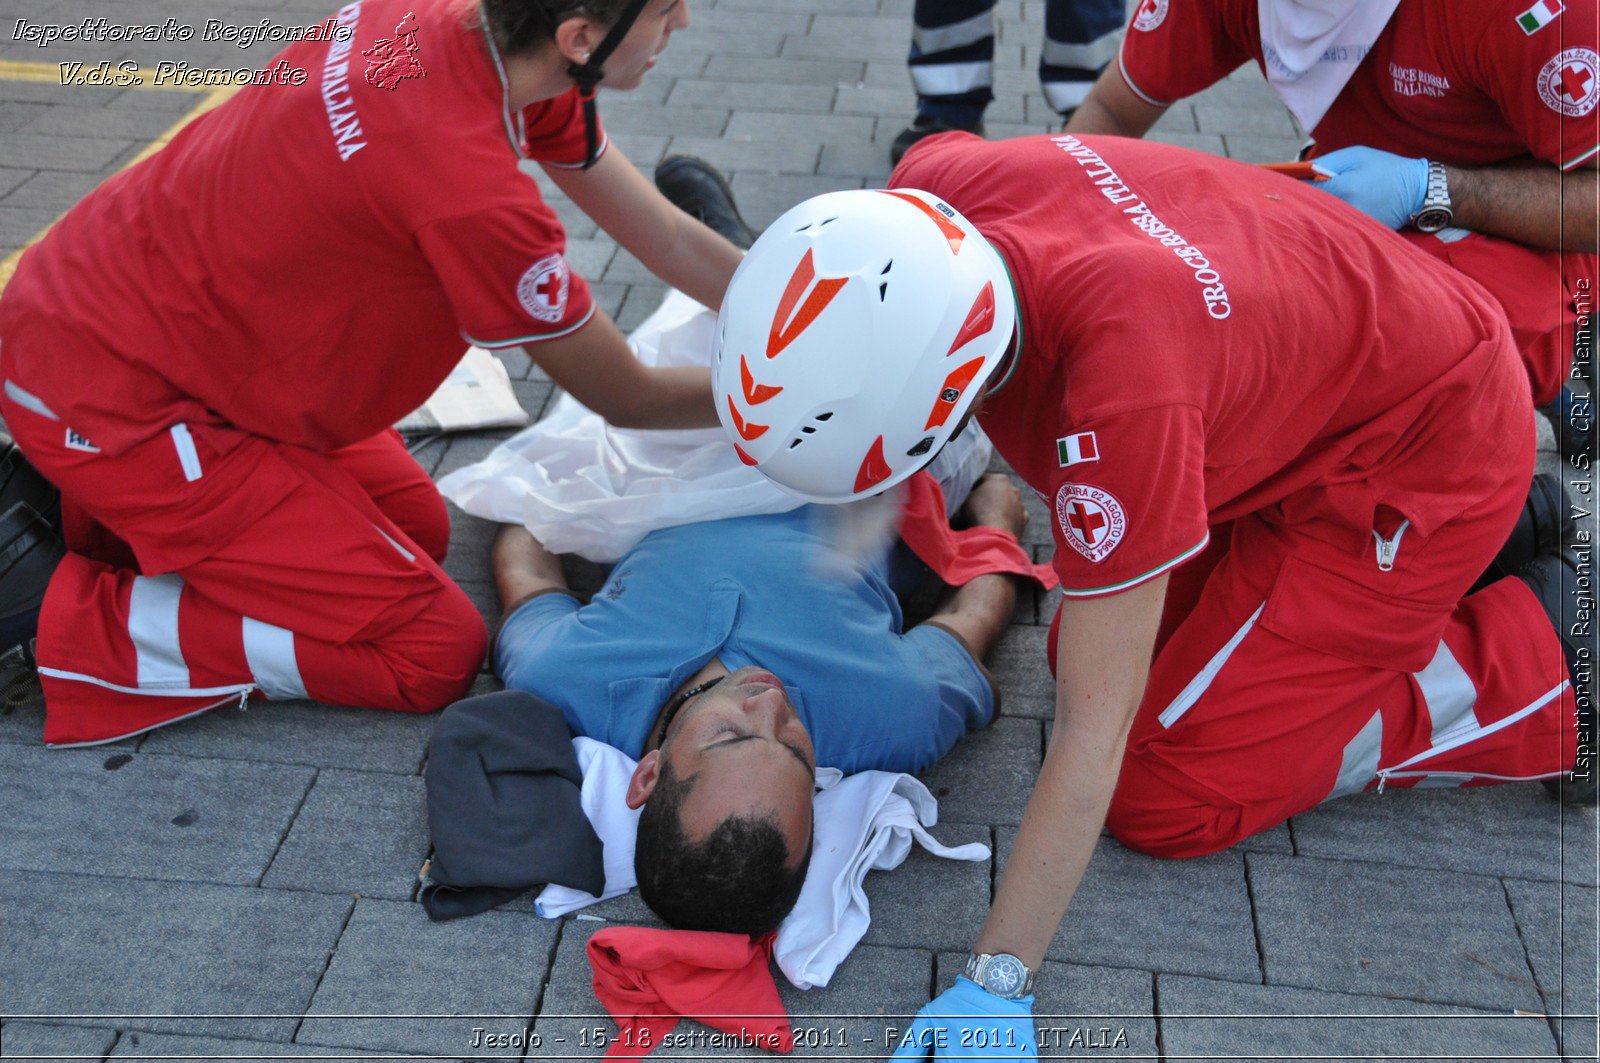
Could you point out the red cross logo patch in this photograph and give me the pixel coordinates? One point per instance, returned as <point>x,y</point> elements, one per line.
<point>1151,13</point>
<point>1569,84</point>
<point>542,291</point>
<point>1092,521</point>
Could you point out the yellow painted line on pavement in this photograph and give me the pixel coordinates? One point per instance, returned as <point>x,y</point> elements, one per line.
<point>50,73</point>
<point>210,100</point>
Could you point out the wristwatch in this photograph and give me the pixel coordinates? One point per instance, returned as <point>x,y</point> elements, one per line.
<point>1437,211</point>
<point>1000,973</point>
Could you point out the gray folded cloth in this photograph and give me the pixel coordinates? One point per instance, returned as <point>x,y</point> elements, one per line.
<point>503,806</point>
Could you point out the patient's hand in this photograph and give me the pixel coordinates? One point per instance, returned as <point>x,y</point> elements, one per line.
<point>996,502</point>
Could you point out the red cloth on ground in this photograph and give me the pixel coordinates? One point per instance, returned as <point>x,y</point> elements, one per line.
<point>959,556</point>
<point>648,979</point>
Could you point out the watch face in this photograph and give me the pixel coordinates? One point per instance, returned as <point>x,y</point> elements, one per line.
<point>1004,976</point>
<point>1432,220</point>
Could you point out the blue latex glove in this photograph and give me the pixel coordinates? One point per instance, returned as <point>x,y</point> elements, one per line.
<point>967,1021</point>
<point>1387,187</point>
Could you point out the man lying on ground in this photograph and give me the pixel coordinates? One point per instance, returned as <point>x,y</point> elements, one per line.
<point>731,658</point>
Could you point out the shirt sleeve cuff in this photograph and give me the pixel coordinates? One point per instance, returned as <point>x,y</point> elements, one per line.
<point>1122,68</point>
<point>517,341</point>
<point>530,613</point>
<point>1144,577</point>
<point>988,677</point>
<point>1581,158</point>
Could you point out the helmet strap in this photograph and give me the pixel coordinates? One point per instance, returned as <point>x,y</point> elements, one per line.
<point>589,73</point>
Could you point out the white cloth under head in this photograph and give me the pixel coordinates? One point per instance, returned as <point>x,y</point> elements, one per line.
<point>584,487</point>
<point>1312,47</point>
<point>863,822</point>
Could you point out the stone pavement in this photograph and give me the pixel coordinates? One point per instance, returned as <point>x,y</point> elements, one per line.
<point>243,885</point>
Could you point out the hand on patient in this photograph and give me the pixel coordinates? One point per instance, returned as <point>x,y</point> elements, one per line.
<point>996,503</point>
<point>967,1021</point>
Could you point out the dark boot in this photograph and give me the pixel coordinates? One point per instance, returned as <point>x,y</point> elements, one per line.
<point>1543,527</point>
<point>30,550</point>
<point>1554,580</point>
<point>21,482</point>
<point>695,187</point>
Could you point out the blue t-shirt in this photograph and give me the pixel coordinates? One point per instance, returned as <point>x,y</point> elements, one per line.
<point>765,591</point>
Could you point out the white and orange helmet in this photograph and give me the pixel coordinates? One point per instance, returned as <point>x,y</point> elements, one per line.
<point>854,337</point>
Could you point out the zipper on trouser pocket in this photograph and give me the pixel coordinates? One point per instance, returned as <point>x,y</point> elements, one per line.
<point>242,694</point>
<point>1467,737</point>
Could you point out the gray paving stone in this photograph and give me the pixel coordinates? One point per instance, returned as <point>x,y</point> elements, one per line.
<point>219,1050</point>
<point>470,537</point>
<point>120,124</point>
<point>1252,120</point>
<point>930,903</point>
<point>147,955</point>
<point>1182,916</point>
<point>101,813</point>
<point>302,732</point>
<point>988,776</point>
<point>813,128</point>
<point>51,190</point>
<point>643,299</point>
<point>392,961</point>
<point>1378,930</point>
<point>22,225</point>
<point>749,155</point>
<point>707,41</point>
<point>1206,142</point>
<point>11,179</point>
<point>1019,664</point>
<point>1513,830</point>
<point>22,1040</point>
<point>1242,1021</point>
<point>753,95</point>
<point>836,46</point>
<point>35,151</point>
<point>357,832</point>
<point>1558,927</point>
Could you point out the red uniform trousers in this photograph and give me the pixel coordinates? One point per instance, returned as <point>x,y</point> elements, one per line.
<point>209,564</point>
<point>1290,670</point>
<point>1537,289</point>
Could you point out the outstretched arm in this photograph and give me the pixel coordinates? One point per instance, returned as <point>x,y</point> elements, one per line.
<point>671,244</point>
<point>596,367</point>
<point>523,568</point>
<point>1528,201</point>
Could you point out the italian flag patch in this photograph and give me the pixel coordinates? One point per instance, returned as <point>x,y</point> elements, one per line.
<point>1540,15</point>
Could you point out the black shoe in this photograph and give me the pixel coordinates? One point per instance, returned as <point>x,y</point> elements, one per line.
<point>1543,527</point>
<point>1573,419</point>
<point>1554,580</point>
<point>21,482</point>
<point>695,187</point>
<point>924,127</point>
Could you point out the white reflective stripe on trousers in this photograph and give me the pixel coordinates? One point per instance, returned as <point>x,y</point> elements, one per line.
<point>950,79</point>
<point>1448,693</point>
<point>929,40</point>
<point>29,401</point>
<point>1201,683</point>
<point>1359,764</point>
<point>153,628</point>
<point>269,649</point>
<point>1091,56</point>
<point>188,457</point>
<point>1066,95</point>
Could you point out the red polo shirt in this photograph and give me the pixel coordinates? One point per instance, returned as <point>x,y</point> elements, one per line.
<point>308,261</point>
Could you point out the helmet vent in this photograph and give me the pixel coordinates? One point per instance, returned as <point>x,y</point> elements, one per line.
<point>825,221</point>
<point>810,429</point>
<point>883,289</point>
<point>824,416</point>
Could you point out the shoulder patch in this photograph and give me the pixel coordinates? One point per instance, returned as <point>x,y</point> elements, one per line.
<point>1151,14</point>
<point>1569,84</point>
<point>542,291</point>
<point>1092,521</point>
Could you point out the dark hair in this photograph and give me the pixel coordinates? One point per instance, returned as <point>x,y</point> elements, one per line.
<point>520,26</point>
<point>736,880</point>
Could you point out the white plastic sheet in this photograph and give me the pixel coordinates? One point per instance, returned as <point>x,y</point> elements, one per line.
<point>584,487</point>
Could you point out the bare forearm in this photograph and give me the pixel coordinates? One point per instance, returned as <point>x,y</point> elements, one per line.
<point>1112,109</point>
<point>523,567</point>
<point>697,262</point>
<point>1535,205</point>
<point>679,397</point>
<point>1054,845</point>
<point>979,611</point>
